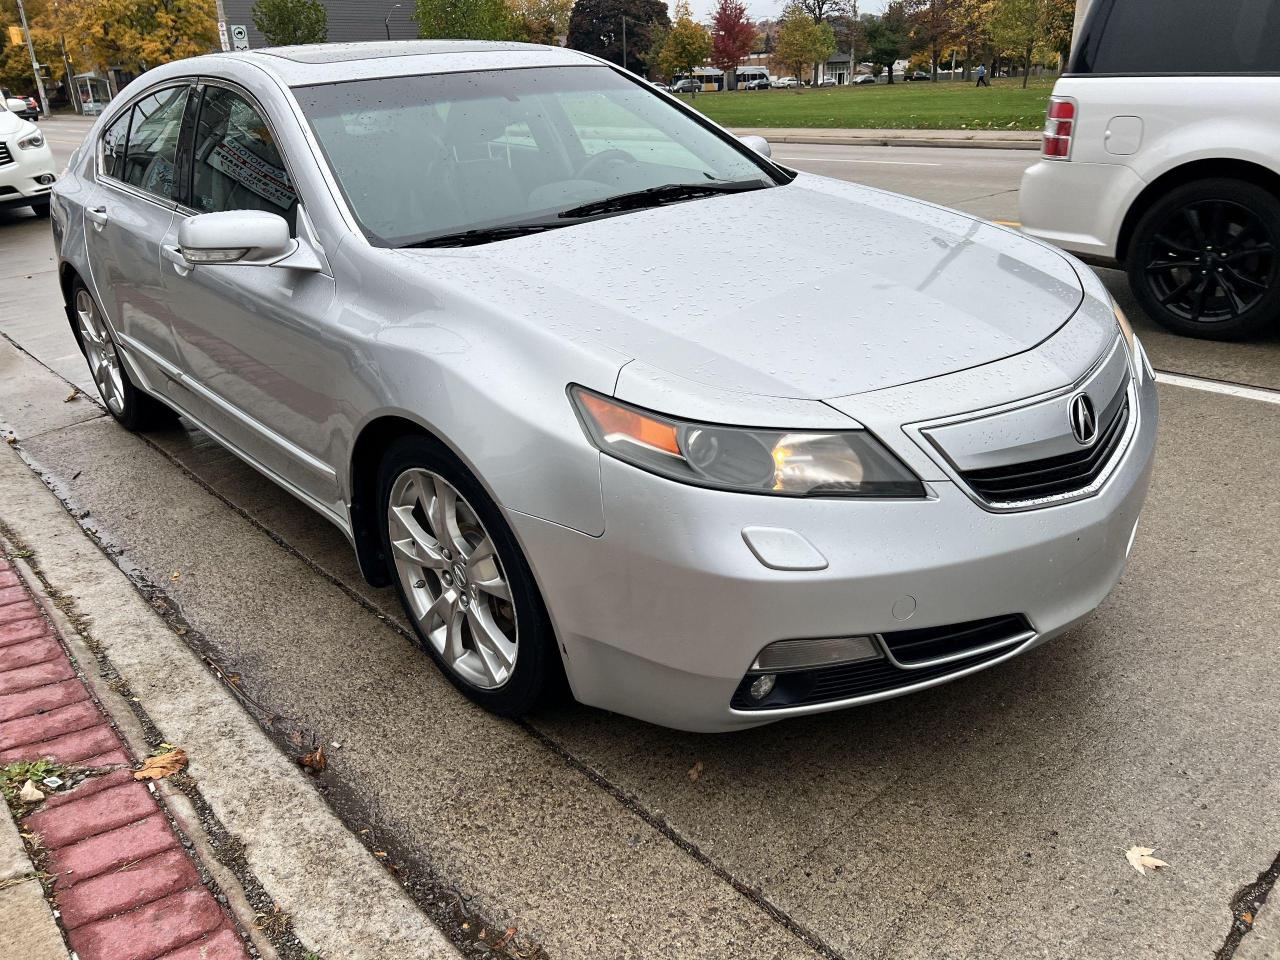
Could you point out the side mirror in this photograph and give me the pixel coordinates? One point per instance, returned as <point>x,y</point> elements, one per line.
<point>15,105</point>
<point>251,237</point>
<point>759,144</point>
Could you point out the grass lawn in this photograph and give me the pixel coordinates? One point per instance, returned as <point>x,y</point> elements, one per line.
<point>903,106</point>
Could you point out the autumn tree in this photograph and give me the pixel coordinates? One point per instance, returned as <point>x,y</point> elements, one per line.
<point>732,35</point>
<point>141,34</point>
<point>802,42</point>
<point>595,27</point>
<point>888,36</point>
<point>934,26</point>
<point>688,43</point>
<point>465,20</point>
<point>541,21</point>
<point>1022,25</point>
<point>285,22</point>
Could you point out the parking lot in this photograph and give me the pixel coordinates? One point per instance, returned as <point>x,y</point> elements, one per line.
<point>985,818</point>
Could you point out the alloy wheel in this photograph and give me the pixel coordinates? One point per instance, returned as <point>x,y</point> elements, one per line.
<point>100,351</point>
<point>452,578</point>
<point>1211,261</point>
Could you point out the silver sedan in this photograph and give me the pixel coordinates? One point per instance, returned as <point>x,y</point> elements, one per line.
<point>485,308</point>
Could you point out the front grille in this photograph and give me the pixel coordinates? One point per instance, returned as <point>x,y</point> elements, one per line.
<point>1037,479</point>
<point>803,688</point>
<point>5,155</point>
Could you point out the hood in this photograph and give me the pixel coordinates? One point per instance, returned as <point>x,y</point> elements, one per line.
<point>812,290</point>
<point>11,123</point>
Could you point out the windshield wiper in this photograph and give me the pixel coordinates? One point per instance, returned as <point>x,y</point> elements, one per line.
<point>657,196</point>
<point>479,235</point>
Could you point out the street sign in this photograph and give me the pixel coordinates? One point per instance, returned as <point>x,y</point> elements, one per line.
<point>239,37</point>
<point>222,36</point>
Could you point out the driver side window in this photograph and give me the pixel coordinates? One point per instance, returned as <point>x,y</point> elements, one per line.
<point>237,165</point>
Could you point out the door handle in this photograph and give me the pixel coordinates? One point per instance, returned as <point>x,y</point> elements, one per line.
<point>98,215</point>
<point>174,256</point>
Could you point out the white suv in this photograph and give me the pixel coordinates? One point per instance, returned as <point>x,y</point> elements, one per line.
<point>26,163</point>
<point>1162,153</point>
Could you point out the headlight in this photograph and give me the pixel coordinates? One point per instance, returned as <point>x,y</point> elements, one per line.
<point>32,141</point>
<point>787,463</point>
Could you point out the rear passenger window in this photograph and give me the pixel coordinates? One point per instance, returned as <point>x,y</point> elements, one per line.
<point>1137,37</point>
<point>113,142</point>
<point>153,142</point>
<point>237,163</point>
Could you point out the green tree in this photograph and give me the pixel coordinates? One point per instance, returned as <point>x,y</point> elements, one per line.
<point>465,20</point>
<point>801,42</point>
<point>286,22</point>
<point>887,36</point>
<point>595,27</point>
<point>934,26</point>
<point>688,43</point>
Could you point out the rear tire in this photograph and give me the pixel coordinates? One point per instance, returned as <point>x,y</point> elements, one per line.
<point>132,408</point>
<point>1204,261</point>
<point>463,580</point>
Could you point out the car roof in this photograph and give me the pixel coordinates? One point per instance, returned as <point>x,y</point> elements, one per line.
<point>328,62</point>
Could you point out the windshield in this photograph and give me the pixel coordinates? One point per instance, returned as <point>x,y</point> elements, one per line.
<point>425,157</point>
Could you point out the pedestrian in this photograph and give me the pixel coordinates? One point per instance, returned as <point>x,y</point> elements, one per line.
<point>982,75</point>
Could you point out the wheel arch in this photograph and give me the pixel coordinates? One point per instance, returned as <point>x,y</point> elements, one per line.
<point>1208,169</point>
<point>67,277</point>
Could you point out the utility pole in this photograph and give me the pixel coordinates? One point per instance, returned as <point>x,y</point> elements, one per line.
<point>35,64</point>
<point>624,43</point>
<point>223,38</point>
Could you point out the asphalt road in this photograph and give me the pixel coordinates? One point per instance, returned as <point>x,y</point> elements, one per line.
<point>987,818</point>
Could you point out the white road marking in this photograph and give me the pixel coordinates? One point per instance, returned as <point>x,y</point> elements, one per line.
<point>1219,386</point>
<point>894,163</point>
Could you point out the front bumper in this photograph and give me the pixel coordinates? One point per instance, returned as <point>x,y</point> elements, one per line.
<point>19,184</point>
<point>661,617</point>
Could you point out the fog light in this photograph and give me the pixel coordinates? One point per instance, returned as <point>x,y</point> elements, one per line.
<point>804,654</point>
<point>763,686</point>
<point>45,178</point>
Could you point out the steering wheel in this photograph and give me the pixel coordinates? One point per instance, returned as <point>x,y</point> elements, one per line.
<point>595,165</point>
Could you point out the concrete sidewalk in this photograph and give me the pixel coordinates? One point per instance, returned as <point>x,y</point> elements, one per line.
<point>973,139</point>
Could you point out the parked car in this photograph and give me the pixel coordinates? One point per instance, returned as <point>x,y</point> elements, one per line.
<point>28,108</point>
<point>917,76</point>
<point>26,162</point>
<point>483,357</point>
<point>785,83</point>
<point>862,78</point>
<point>827,82</point>
<point>658,84</point>
<point>1164,159</point>
<point>759,83</point>
<point>686,86</point>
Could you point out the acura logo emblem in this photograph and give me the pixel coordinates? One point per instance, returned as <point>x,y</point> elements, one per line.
<point>1084,423</point>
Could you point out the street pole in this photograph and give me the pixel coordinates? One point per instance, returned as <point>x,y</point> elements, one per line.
<point>624,43</point>
<point>386,21</point>
<point>222,27</point>
<point>35,65</point>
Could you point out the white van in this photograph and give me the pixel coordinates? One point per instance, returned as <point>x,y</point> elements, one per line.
<point>1162,154</point>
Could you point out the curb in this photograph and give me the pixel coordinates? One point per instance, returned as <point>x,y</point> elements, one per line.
<point>843,141</point>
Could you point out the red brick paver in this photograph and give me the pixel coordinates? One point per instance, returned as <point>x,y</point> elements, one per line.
<point>125,887</point>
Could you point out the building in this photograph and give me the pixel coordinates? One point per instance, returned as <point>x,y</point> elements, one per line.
<point>349,20</point>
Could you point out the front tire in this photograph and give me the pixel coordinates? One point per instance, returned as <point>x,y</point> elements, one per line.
<point>1205,260</point>
<point>132,408</point>
<point>463,580</point>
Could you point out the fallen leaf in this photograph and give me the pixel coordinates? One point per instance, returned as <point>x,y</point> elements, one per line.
<point>71,396</point>
<point>11,440</point>
<point>1247,917</point>
<point>1140,859</point>
<point>695,771</point>
<point>161,766</point>
<point>175,576</point>
<point>315,761</point>
<point>30,793</point>
<point>506,938</point>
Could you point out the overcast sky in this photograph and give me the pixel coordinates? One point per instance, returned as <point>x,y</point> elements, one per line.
<point>761,9</point>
